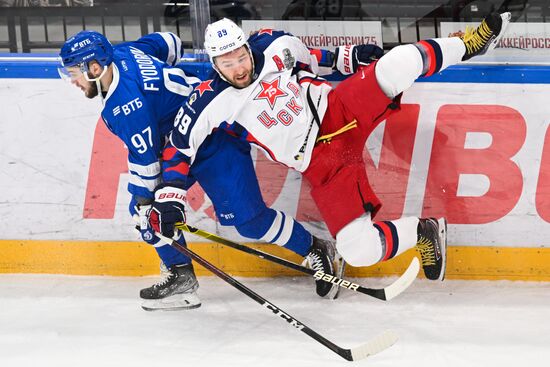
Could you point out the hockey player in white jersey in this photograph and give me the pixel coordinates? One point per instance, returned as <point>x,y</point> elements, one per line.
<point>142,95</point>
<point>268,93</point>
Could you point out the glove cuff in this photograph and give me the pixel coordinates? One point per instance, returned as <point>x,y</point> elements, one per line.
<point>143,211</point>
<point>345,59</point>
<point>170,193</point>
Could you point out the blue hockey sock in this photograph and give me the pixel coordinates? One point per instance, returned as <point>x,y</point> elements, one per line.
<point>170,256</point>
<point>300,240</point>
<point>275,227</point>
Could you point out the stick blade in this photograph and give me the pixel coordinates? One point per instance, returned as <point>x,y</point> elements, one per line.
<point>404,280</point>
<point>375,345</point>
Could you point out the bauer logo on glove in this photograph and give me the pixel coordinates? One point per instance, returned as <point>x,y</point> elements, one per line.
<point>167,209</point>
<point>349,57</point>
<point>171,195</point>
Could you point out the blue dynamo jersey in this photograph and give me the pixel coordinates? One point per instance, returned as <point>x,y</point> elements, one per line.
<point>142,101</point>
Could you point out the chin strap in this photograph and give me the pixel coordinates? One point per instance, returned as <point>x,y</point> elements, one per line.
<point>99,91</point>
<point>98,82</point>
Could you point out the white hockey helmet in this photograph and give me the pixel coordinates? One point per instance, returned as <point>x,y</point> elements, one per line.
<point>222,37</point>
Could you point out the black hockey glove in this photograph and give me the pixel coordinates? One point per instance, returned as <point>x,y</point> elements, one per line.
<point>348,58</point>
<point>167,209</point>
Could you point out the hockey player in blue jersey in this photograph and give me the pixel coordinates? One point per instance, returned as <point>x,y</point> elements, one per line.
<point>141,95</point>
<point>138,92</point>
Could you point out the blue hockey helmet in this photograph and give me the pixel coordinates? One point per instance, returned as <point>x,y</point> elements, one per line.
<point>84,47</point>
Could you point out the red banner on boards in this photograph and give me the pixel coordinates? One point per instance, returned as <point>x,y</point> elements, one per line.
<point>449,158</point>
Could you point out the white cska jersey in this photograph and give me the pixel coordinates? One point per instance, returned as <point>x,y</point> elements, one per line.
<point>272,113</point>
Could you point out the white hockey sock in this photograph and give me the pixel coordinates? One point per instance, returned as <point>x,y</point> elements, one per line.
<point>439,53</point>
<point>398,69</point>
<point>360,242</point>
<point>406,229</point>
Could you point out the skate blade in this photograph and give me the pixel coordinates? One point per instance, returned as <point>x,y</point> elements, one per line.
<point>442,224</point>
<point>506,17</point>
<point>183,301</point>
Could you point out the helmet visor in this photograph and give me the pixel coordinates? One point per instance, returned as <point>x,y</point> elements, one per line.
<point>72,73</point>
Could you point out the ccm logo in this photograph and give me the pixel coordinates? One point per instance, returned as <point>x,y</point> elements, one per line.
<point>171,195</point>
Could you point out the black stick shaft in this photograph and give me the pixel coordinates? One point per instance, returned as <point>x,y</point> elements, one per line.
<point>376,293</point>
<point>274,310</point>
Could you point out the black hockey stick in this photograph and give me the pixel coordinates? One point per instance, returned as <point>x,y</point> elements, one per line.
<point>384,294</point>
<point>373,346</point>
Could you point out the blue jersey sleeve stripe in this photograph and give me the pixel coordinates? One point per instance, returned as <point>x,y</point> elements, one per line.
<point>154,177</point>
<point>171,48</point>
<point>145,183</point>
<point>150,170</point>
<point>177,50</point>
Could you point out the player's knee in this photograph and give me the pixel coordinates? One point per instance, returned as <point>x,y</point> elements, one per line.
<point>398,69</point>
<point>359,243</point>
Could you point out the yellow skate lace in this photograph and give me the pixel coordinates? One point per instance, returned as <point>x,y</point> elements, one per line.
<point>476,38</point>
<point>426,249</point>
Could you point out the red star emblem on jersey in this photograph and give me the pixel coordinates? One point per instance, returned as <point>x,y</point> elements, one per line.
<point>271,91</point>
<point>266,31</point>
<point>204,87</point>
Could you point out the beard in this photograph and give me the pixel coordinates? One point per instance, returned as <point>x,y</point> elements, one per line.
<point>92,91</point>
<point>244,83</point>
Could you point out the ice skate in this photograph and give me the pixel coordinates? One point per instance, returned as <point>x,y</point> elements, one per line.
<point>323,257</point>
<point>432,246</point>
<point>486,36</point>
<point>177,290</point>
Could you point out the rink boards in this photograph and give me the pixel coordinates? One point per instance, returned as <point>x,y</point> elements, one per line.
<point>471,144</point>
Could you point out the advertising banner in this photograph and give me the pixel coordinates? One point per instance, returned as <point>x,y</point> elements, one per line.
<point>323,34</point>
<point>478,154</point>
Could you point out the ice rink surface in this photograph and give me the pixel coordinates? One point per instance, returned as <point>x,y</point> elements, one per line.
<point>50,320</point>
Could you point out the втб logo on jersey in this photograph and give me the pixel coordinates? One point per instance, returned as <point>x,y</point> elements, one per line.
<point>129,107</point>
<point>270,92</point>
